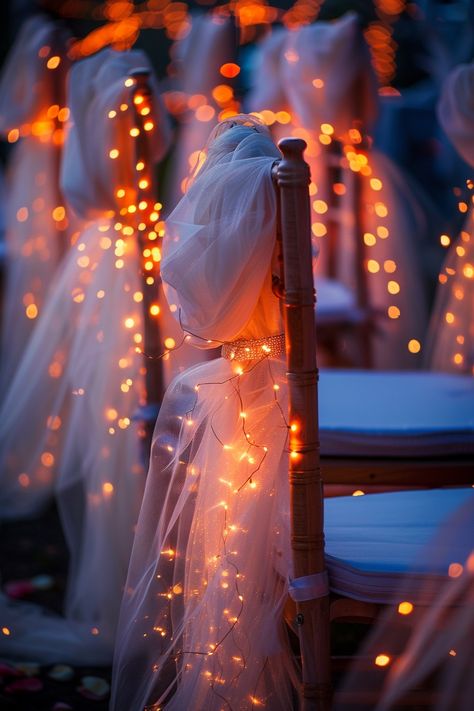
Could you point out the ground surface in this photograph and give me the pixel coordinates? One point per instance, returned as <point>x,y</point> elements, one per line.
<point>28,549</point>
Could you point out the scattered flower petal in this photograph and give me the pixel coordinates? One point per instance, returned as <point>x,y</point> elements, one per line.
<point>28,668</point>
<point>6,670</point>
<point>42,582</point>
<point>20,686</point>
<point>93,687</point>
<point>61,672</point>
<point>18,589</point>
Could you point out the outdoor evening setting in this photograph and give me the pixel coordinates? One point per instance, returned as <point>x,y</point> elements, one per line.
<point>237,355</point>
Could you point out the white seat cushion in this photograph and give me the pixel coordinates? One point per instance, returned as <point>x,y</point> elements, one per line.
<point>368,413</point>
<point>335,302</point>
<point>374,543</point>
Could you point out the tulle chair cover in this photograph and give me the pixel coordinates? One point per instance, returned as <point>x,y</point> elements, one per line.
<point>202,607</point>
<point>38,223</point>
<point>431,644</point>
<point>450,345</point>
<point>456,110</point>
<point>450,342</point>
<point>327,76</point>
<point>198,56</point>
<point>67,417</point>
<point>321,65</point>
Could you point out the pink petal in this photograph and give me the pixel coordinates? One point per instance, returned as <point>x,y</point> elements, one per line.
<point>6,670</point>
<point>21,685</point>
<point>18,589</point>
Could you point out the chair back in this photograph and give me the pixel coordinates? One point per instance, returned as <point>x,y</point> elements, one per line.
<point>309,587</point>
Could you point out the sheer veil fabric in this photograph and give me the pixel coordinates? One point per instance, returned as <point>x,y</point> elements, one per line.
<point>200,624</point>
<point>198,57</point>
<point>450,345</point>
<point>322,75</point>
<point>38,223</point>
<point>67,418</point>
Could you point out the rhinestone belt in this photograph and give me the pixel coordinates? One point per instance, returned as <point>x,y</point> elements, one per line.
<point>251,350</point>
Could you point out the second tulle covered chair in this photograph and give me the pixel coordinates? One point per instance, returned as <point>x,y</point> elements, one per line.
<point>450,344</point>
<point>68,427</point>
<point>38,223</point>
<point>369,226</point>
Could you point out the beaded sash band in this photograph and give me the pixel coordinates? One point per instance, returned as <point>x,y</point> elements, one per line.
<point>251,350</point>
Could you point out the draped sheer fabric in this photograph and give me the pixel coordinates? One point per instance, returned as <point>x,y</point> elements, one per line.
<point>67,418</point>
<point>37,233</point>
<point>200,623</point>
<point>450,344</point>
<point>197,57</point>
<point>89,177</point>
<point>456,110</point>
<point>319,67</point>
<point>327,76</point>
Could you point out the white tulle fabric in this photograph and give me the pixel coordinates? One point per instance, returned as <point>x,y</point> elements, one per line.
<point>431,648</point>
<point>335,54</point>
<point>450,343</point>
<point>89,177</point>
<point>67,417</point>
<point>199,57</point>
<point>456,110</point>
<point>319,67</point>
<point>200,620</point>
<point>35,241</point>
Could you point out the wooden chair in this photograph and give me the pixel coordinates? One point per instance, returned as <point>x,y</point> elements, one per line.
<point>345,330</point>
<point>333,581</point>
<point>152,295</point>
<point>424,434</point>
<point>397,428</point>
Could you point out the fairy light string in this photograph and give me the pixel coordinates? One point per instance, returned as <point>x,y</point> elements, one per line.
<point>224,557</point>
<point>456,281</point>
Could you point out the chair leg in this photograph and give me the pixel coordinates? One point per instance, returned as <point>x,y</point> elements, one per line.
<point>312,620</point>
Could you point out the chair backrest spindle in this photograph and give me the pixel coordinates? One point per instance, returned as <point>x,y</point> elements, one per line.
<point>152,342</point>
<point>307,538</point>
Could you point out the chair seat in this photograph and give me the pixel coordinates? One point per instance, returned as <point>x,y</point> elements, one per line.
<point>396,414</point>
<point>335,303</point>
<point>374,543</point>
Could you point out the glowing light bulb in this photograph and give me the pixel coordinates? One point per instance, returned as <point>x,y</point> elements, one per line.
<point>414,346</point>
<point>53,62</point>
<point>327,129</point>
<point>229,70</point>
